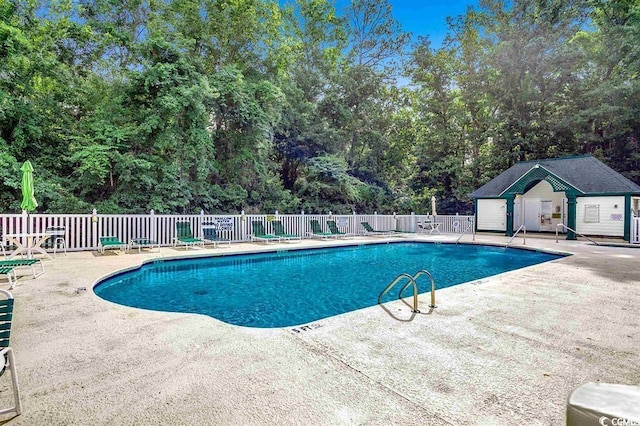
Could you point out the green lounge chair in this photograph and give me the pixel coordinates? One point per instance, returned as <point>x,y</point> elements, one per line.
<point>316,230</point>
<point>260,234</point>
<point>8,267</point>
<point>185,236</point>
<point>278,231</point>
<point>11,275</point>
<point>370,231</point>
<point>333,228</point>
<point>6,353</point>
<point>210,234</point>
<point>111,242</point>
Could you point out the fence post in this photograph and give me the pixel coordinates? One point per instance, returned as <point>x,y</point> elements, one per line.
<point>473,228</point>
<point>413,222</point>
<point>353,223</point>
<point>301,226</point>
<point>153,226</point>
<point>242,227</point>
<point>95,229</point>
<point>375,220</point>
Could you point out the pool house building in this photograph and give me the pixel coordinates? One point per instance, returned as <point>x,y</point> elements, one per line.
<point>574,194</point>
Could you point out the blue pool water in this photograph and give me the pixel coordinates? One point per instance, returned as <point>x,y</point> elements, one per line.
<point>290,288</point>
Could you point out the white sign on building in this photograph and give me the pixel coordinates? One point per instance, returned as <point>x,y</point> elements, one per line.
<point>222,223</point>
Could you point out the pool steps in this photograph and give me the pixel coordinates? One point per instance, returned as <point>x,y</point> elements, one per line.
<point>412,281</point>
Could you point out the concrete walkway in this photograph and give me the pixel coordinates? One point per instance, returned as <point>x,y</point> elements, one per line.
<point>505,350</point>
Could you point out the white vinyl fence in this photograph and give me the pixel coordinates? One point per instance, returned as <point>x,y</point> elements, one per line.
<point>82,231</point>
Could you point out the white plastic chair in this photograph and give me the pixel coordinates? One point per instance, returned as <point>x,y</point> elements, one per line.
<point>58,235</point>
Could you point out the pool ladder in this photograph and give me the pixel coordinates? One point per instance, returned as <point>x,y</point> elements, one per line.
<point>412,281</point>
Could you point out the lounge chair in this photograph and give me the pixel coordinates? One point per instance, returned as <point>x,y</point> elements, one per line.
<point>278,231</point>
<point>210,234</point>
<point>111,242</point>
<point>316,230</point>
<point>6,353</point>
<point>8,267</point>
<point>10,272</point>
<point>260,234</point>
<point>333,228</point>
<point>185,236</point>
<point>370,231</point>
<point>141,243</point>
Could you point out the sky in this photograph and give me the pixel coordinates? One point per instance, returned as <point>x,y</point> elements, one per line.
<point>428,17</point>
<point>425,17</point>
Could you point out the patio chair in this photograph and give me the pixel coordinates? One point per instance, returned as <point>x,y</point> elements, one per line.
<point>429,225</point>
<point>8,268</point>
<point>317,232</point>
<point>57,239</point>
<point>278,230</point>
<point>333,228</point>
<point>110,242</point>
<point>370,231</point>
<point>260,234</point>
<point>185,236</point>
<point>210,234</point>
<point>7,359</point>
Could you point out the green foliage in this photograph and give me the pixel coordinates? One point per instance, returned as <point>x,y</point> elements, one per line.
<point>249,105</point>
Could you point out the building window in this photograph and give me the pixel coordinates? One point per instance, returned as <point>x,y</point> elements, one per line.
<point>592,213</point>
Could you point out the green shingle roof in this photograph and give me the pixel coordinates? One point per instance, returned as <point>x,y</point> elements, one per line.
<point>586,174</point>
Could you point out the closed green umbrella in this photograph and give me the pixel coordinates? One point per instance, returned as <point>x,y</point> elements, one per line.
<point>29,202</point>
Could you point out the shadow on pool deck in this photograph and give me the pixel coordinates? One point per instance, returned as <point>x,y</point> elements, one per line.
<point>508,349</point>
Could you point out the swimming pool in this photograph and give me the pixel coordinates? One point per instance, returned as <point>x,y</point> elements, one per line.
<point>287,288</point>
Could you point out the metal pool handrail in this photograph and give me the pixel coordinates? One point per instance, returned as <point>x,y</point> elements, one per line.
<point>465,232</point>
<point>524,233</point>
<point>574,231</point>
<point>412,281</point>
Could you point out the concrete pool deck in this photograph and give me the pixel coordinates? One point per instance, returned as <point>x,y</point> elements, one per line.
<point>503,350</point>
